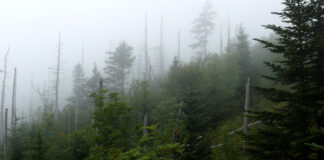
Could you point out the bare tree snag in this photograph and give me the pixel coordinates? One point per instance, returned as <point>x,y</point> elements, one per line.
<point>13,103</point>
<point>246,107</point>
<point>82,57</point>
<point>221,41</point>
<point>179,39</point>
<point>161,48</point>
<point>145,124</point>
<point>228,48</point>
<point>139,67</point>
<point>31,98</point>
<point>57,81</point>
<point>44,95</point>
<point>3,93</point>
<point>5,136</point>
<point>147,67</point>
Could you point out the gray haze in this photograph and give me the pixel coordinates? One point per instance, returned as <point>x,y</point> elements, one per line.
<point>31,27</point>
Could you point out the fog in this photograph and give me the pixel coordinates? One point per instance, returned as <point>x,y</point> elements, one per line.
<point>31,29</point>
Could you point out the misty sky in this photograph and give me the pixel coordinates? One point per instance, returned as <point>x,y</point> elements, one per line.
<point>31,27</point>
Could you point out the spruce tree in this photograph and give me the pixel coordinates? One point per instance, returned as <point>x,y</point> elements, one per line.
<point>243,51</point>
<point>291,129</point>
<point>79,81</point>
<point>93,81</point>
<point>79,96</point>
<point>118,65</point>
<point>203,28</point>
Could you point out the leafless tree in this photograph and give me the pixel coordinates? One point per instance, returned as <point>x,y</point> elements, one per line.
<point>13,103</point>
<point>161,48</point>
<point>179,44</point>
<point>3,93</point>
<point>57,70</point>
<point>246,108</point>
<point>44,95</point>
<point>5,136</point>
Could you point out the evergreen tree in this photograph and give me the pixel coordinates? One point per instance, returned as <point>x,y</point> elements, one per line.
<point>118,65</point>
<point>202,29</point>
<point>291,129</point>
<point>113,124</point>
<point>79,97</point>
<point>40,148</point>
<point>93,81</point>
<point>243,51</point>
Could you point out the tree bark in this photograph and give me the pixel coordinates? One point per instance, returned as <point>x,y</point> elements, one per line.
<point>57,81</point>
<point>5,136</point>
<point>145,124</point>
<point>179,44</point>
<point>13,103</point>
<point>246,107</point>
<point>76,113</point>
<point>3,94</point>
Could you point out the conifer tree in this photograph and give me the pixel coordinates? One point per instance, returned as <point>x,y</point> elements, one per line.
<point>243,51</point>
<point>79,92</point>
<point>203,28</point>
<point>291,129</point>
<point>118,65</point>
<point>93,81</point>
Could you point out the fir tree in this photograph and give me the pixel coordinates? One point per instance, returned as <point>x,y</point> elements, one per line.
<point>118,65</point>
<point>93,81</point>
<point>40,148</point>
<point>243,51</point>
<point>202,29</point>
<point>291,129</point>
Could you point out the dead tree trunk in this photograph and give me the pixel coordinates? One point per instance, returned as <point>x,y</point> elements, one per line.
<point>161,48</point>
<point>82,57</point>
<point>228,48</point>
<point>221,41</point>
<point>179,39</point>
<point>31,99</point>
<point>76,112</point>
<point>13,103</point>
<point>57,81</point>
<point>147,67</point>
<point>3,94</point>
<point>145,124</point>
<point>246,107</point>
<point>139,67</point>
<point>5,136</point>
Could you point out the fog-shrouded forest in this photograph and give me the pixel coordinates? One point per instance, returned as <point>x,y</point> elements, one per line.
<point>162,79</point>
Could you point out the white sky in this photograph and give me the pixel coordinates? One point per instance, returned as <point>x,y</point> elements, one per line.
<point>31,27</point>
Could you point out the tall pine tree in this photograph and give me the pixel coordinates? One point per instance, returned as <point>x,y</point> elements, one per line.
<point>294,128</point>
<point>203,28</point>
<point>243,51</point>
<point>118,65</point>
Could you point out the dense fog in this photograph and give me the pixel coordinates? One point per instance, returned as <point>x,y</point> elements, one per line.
<point>30,28</point>
<point>162,79</point>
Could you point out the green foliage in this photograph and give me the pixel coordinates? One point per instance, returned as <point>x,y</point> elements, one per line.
<point>290,129</point>
<point>244,60</point>
<point>80,143</point>
<point>40,148</point>
<point>118,65</point>
<point>113,127</point>
<point>149,147</point>
<point>202,29</point>
<point>228,143</point>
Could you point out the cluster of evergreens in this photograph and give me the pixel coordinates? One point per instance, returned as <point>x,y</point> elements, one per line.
<point>195,110</point>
